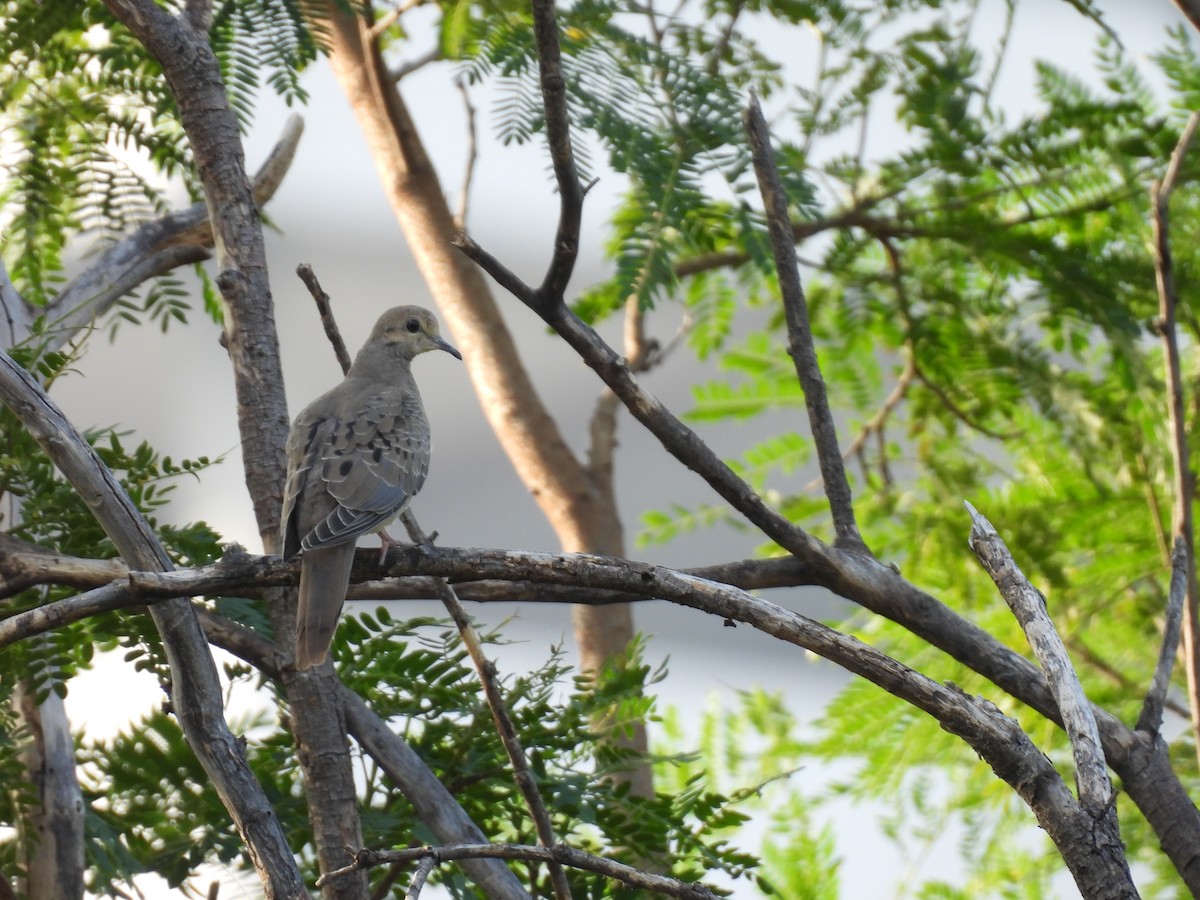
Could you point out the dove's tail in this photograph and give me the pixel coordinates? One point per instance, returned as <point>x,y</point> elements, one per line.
<point>324,577</point>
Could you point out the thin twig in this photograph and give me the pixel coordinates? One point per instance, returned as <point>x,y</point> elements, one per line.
<point>460,218</point>
<point>559,854</point>
<point>800,338</point>
<point>486,669</point>
<point>1152,707</point>
<point>305,271</point>
<point>1029,607</point>
<point>1182,520</point>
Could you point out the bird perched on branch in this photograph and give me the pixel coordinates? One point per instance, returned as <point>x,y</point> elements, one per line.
<point>356,457</point>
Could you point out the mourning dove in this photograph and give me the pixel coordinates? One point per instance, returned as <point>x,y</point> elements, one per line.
<point>356,457</point>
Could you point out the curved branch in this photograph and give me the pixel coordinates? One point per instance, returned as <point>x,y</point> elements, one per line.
<point>156,247</point>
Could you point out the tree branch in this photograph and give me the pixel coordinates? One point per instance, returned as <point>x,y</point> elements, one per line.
<point>464,197</point>
<point>1184,480</point>
<point>800,339</point>
<point>332,332</point>
<point>113,586</point>
<point>1150,718</point>
<point>559,854</point>
<point>522,774</point>
<point>558,136</point>
<point>196,691</point>
<point>1029,606</point>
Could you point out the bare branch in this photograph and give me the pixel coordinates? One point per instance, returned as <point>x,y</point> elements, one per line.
<point>522,774</point>
<point>420,876</point>
<point>114,586</point>
<point>384,22</point>
<point>156,247</point>
<point>305,271</point>
<point>1184,481</point>
<point>197,690</point>
<point>800,338</point>
<point>1029,606</point>
<point>559,854</point>
<point>558,136</point>
<point>1150,718</point>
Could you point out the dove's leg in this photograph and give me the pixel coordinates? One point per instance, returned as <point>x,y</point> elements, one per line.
<point>386,543</point>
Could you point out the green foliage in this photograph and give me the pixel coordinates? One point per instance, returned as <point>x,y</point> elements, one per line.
<point>666,107</point>
<point>86,113</point>
<point>152,809</point>
<point>264,41</point>
<point>752,754</point>
<point>53,515</point>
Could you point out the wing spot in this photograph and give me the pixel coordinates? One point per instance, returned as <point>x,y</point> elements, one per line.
<point>345,467</point>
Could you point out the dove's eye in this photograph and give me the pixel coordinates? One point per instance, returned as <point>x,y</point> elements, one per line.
<point>413,326</point>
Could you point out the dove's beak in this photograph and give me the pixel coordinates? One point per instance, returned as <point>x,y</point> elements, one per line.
<point>444,344</point>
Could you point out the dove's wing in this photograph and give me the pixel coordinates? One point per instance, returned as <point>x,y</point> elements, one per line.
<point>371,463</point>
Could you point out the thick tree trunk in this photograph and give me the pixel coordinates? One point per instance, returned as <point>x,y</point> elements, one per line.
<point>579,507</point>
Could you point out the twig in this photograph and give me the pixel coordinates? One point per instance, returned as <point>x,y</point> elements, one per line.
<point>424,867</point>
<point>472,155</point>
<point>1150,718</point>
<point>558,136</point>
<point>522,774</point>
<point>305,271</point>
<point>384,22</point>
<point>800,338</point>
<point>419,62</point>
<point>558,854</point>
<point>721,44</point>
<point>961,414</point>
<point>1181,516</point>
<point>1029,607</point>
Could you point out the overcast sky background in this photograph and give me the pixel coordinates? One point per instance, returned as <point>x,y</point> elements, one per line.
<point>175,390</point>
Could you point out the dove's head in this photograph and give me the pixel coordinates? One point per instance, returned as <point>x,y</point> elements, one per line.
<point>400,334</point>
